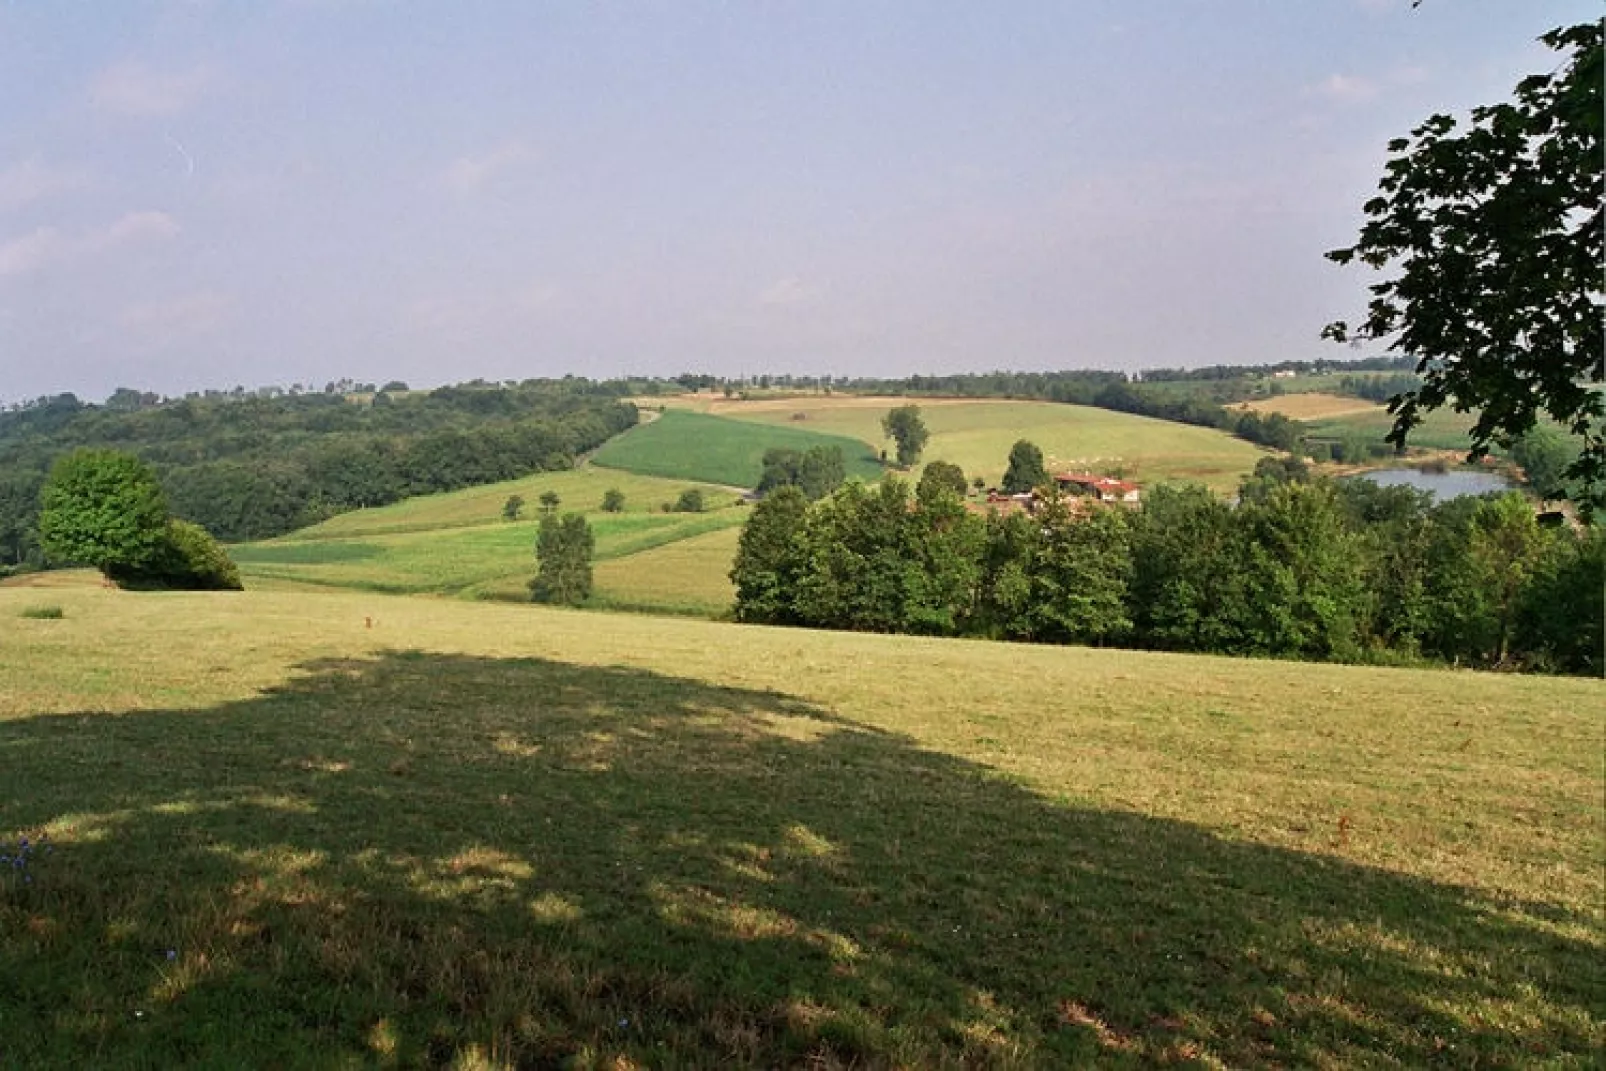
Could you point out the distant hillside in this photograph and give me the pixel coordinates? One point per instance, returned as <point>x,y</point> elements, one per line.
<point>976,434</point>
<point>252,467</point>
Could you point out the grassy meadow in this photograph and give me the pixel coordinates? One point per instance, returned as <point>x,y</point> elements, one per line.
<point>687,445</point>
<point>292,830</point>
<point>459,543</point>
<point>976,435</point>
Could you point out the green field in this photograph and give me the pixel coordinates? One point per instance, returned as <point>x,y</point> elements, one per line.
<point>691,576</point>
<point>1442,429</point>
<point>323,830</point>
<point>686,445</point>
<point>458,543</point>
<point>578,489</point>
<point>977,435</point>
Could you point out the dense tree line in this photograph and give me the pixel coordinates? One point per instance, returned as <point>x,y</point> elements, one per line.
<point>817,471</point>
<point>253,466</point>
<point>1300,568</point>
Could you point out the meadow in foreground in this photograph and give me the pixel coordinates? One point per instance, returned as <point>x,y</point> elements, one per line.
<point>316,830</point>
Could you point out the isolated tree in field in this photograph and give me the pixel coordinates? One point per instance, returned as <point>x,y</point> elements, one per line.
<point>942,476</point>
<point>512,507</point>
<point>1026,470</point>
<point>613,500</point>
<point>563,549</point>
<point>690,501</point>
<point>904,427</point>
<point>102,508</point>
<point>550,502</point>
<point>1492,239</point>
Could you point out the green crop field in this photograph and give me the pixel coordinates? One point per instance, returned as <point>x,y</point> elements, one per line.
<point>696,446</point>
<point>315,830</point>
<point>1442,429</point>
<point>977,434</point>
<point>459,560</point>
<point>459,543</point>
<point>578,489</point>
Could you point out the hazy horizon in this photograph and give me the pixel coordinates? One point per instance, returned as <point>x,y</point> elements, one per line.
<point>198,194</point>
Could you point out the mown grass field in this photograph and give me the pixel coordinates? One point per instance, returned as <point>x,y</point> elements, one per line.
<point>976,435</point>
<point>690,576</point>
<point>687,445</point>
<point>329,830</point>
<point>1314,405</point>
<point>459,543</point>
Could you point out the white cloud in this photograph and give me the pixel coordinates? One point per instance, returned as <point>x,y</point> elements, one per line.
<point>788,291</point>
<point>47,246</point>
<point>132,88</point>
<point>138,227</point>
<point>187,314</point>
<point>26,255</point>
<point>32,179</point>
<point>469,173</point>
<point>1347,89</point>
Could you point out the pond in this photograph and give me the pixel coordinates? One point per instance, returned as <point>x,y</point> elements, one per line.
<point>1449,484</point>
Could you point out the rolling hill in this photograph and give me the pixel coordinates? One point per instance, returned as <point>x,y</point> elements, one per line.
<point>976,435</point>
<point>459,543</point>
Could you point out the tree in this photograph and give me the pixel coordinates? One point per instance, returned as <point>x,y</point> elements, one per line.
<point>1545,455</point>
<point>942,476</point>
<point>1493,240</point>
<point>613,500</point>
<point>550,502</point>
<point>818,470</point>
<point>102,508</point>
<point>904,426</point>
<point>512,507</point>
<point>690,501</point>
<point>1080,574</point>
<point>770,557</point>
<point>189,559</point>
<point>563,549</point>
<point>1026,471</point>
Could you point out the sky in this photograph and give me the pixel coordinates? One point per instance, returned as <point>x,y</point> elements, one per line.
<point>202,194</point>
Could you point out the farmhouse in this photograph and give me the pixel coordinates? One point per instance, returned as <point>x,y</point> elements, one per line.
<point>1103,488</point>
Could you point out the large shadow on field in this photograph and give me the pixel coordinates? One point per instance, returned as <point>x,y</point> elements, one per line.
<point>401,859</point>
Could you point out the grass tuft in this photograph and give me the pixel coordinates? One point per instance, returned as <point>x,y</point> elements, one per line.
<point>43,613</point>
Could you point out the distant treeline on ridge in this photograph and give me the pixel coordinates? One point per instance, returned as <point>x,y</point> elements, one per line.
<point>254,466</point>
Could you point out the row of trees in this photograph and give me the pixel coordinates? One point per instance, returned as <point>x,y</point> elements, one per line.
<point>1300,568</point>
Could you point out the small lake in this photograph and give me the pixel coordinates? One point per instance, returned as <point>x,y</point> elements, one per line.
<point>1450,484</point>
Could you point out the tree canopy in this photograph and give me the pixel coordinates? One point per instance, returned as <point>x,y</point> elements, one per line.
<point>105,508</point>
<point>102,508</point>
<point>904,427</point>
<point>1491,238</point>
<point>563,548</point>
<point>1026,471</point>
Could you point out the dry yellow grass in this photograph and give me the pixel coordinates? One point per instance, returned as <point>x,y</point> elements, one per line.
<point>1313,406</point>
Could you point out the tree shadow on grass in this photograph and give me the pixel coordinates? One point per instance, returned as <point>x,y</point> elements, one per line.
<point>420,857</point>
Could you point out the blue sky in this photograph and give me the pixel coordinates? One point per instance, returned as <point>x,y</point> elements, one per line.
<point>199,194</point>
